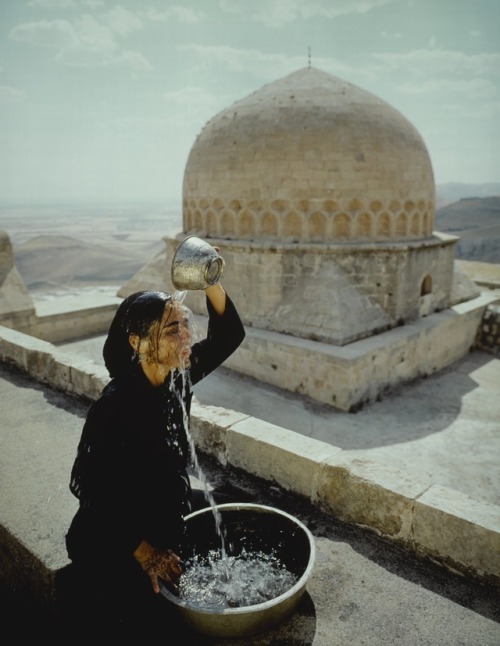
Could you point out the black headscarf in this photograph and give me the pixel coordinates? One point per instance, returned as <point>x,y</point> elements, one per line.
<point>135,315</point>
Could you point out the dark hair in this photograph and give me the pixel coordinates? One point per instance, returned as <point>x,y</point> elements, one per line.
<point>135,315</point>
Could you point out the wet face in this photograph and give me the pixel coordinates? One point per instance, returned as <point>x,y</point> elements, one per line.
<point>174,337</point>
<point>167,345</point>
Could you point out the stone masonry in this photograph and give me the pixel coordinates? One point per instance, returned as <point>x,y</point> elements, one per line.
<point>488,334</point>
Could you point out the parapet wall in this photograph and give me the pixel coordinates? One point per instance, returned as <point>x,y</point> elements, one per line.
<point>65,326</point>
<point>429,520</point>
<point>488,333</point>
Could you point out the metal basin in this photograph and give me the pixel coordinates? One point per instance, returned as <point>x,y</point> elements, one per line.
<point>253,528</point>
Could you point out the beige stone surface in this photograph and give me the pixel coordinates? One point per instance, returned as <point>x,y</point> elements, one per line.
<point>482,273</point>
<point>459,530</point>
<point>278,455</point>
<point>309,157</point>
<point>366,493</point>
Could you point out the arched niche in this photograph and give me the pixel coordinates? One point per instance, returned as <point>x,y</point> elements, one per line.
<point>269,225</point>
<point>227,224</point>
<point>415,224</point>
<point>198,222</point>
<point>188,219</point>
<point>426,285</point>
<point>364,225</point>
<point>211,223</point>
<point>384,225</point>
<point>317,227</point>
<point>292,226</point>
<point>401,225</point>
<point>342,226</point>
<point>246,224</point>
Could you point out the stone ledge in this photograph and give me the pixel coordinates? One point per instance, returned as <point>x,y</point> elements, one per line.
<point>62,370</point>
<point>458,531</point>
<point>436,522</point>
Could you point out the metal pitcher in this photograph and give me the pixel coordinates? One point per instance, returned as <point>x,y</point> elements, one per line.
<point>195,265</point>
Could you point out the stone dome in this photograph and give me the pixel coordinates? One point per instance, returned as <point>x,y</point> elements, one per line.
<point>309,158</point>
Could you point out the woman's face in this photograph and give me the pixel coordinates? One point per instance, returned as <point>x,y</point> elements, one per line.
<point>167,345</point>
<point>174,337</point>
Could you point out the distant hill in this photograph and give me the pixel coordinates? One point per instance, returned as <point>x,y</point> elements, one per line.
<point>477,222</point>
<point>52,260</point>
<point>455,191</point>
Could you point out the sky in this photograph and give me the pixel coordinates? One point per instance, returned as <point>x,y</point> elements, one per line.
<point>102,100</point>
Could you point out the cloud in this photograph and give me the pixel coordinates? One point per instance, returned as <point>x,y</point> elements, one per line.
<point>177,12</point>
<point>92,4</point>
<point>85,41</point>
<point>92,36</point>
<point>277,13</point>
<point>268,67</point>
<point>438,61</point>
<point>133,61</point>
<point>121,21</point>
<point>396,35</point>
<point>476,87</point>
<point>192,106</point>
<point>65,4</point>
<point>193,100</point>
<point>10,94</point>
<point>56,34</point>
<point>53,4</point>
<point>189,95</point>
<point>476,112</point>
<point>251,61</point>
<point>486,110</point>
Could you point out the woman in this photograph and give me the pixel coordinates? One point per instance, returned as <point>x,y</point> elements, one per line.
<point>130,473</point>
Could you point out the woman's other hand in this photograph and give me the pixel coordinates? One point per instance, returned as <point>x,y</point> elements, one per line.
<point>159,564</point>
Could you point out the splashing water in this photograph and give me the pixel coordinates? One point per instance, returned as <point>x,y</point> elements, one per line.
<point>216,583</point>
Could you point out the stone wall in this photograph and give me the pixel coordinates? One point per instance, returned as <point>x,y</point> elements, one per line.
<point>66,326</point>
<point>351,376</point>
<point>334,293</point>
<point>488,333</point>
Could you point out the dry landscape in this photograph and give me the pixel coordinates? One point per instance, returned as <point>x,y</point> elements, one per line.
<point>56,248</point>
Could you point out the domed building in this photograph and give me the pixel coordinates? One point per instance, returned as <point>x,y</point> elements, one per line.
<point>330,192</point>
<point>321,197</point>
<point>309,158</point>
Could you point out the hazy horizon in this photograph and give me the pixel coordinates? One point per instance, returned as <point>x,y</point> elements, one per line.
<point>461,189</point>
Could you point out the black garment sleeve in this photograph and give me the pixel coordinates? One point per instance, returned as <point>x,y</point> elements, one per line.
<point>225,334</point>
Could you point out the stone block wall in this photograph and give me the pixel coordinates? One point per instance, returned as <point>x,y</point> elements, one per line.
<point>333,293</point>
<point>73,324</point>
<point>488,333</point>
